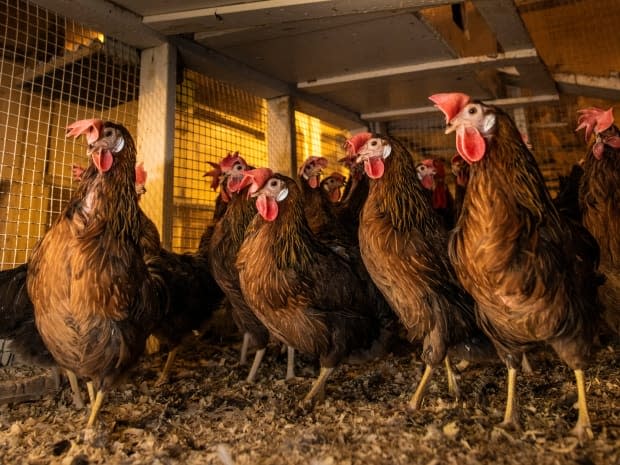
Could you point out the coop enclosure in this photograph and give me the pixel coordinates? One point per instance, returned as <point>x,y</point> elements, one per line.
<point>277,83</point>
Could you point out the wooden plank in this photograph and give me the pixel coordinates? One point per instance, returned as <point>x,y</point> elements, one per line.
<point>589,86</point>
<point>424,111</point>
<point>106,17</point>
<point>272,12</point>
<point>504,20</point>
<point>513,58</point>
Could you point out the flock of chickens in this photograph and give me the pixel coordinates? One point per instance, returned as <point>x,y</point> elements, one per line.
<point>493,272</point>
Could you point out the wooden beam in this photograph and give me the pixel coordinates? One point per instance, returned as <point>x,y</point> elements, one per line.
<point>106,17</point>
<point>424,111</point>
<point>514,57</point>
<point>218,66</point>
<point>272,12</point>
<point>504,20</point>
<point>589,86</point>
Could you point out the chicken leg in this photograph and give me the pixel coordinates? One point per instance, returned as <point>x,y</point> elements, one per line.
<point>290,363</point>
<point>453,387</point>
<point>583,428</point>
<point>73,382</point>
<point>318,388</point>
<point>416,400</point>
<point>163,377</point>
<point>95,407</point>
<point>511,416</point>
<point>244,349</point>
<point>258,358</point>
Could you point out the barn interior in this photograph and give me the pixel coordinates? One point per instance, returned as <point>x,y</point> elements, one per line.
<point>278,81</point>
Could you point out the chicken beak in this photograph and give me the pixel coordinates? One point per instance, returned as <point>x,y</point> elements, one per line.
<point>452,126</point>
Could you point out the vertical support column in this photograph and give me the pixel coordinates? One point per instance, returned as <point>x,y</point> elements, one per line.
<point>156,134</point>
<point>281,143</point>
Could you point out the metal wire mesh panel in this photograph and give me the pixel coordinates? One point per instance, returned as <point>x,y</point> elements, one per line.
<point>53,71</point>
<point>318,138</point>
<point>212,119</point>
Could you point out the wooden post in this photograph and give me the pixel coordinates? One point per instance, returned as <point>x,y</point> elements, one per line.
<point>156,134</point>
<point>281,142</point>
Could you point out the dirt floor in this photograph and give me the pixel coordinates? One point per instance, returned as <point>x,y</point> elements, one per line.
<point>207,414</point>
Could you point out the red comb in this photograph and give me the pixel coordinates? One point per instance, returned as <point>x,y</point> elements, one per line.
<point>355,143</point>
<point>450,104</point>
<point>255,178</point>
<point>141,174</point>
<point>91,127</point>
<point>229,161</point>
<point>321,161</point>
<point>594,120</point>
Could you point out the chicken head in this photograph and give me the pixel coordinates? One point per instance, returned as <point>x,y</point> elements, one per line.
<point>370,150</point>
<point>471,120</point>
<point>311,170</point>
<point>597,121</point>
<point>426,173</point>
<point>104,140</point>
<point>332,185</point>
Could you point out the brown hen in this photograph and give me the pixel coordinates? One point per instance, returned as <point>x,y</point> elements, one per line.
<point>95,301</point>
<point>513,252</point>
<point>309,297</point>
<point>404,248</point>
<point>599,199</point>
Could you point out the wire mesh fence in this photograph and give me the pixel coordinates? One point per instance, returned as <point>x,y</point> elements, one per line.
<point>212,120</point>
<point>53,71</point>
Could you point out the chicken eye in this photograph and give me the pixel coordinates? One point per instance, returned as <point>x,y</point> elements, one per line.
<point>373,143</point>
<point>472,110</point>
<point>107,132</point>
<point>273,183</point>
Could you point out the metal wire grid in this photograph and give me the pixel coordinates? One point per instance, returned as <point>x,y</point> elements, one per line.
<point>52,71</point>
<point>318,138</point>
<point>212,119</point>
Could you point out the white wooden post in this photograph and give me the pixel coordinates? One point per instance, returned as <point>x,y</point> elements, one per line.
<point>156,134</point>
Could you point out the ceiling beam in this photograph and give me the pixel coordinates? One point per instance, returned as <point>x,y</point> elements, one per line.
<point>212,63</point>
<point>108,18</point>
<point>424,111</point>
<point>272,12</point>
<point>511,58</point>
<point>504,20</point>
<point>589,86</point>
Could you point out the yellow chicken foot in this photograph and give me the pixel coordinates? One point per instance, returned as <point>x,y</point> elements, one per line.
<point>453,387</point>
<point>244,349</point>
<point>318,388</point>
<point>95,407</point>
<point>75,388</point>
<point>511,416</point>
<point>257,359</point>
<point>290,363</point>
<point>163,377</point>
<point>91,392</point>
<point>416,400</point>
<point>583,428</point>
